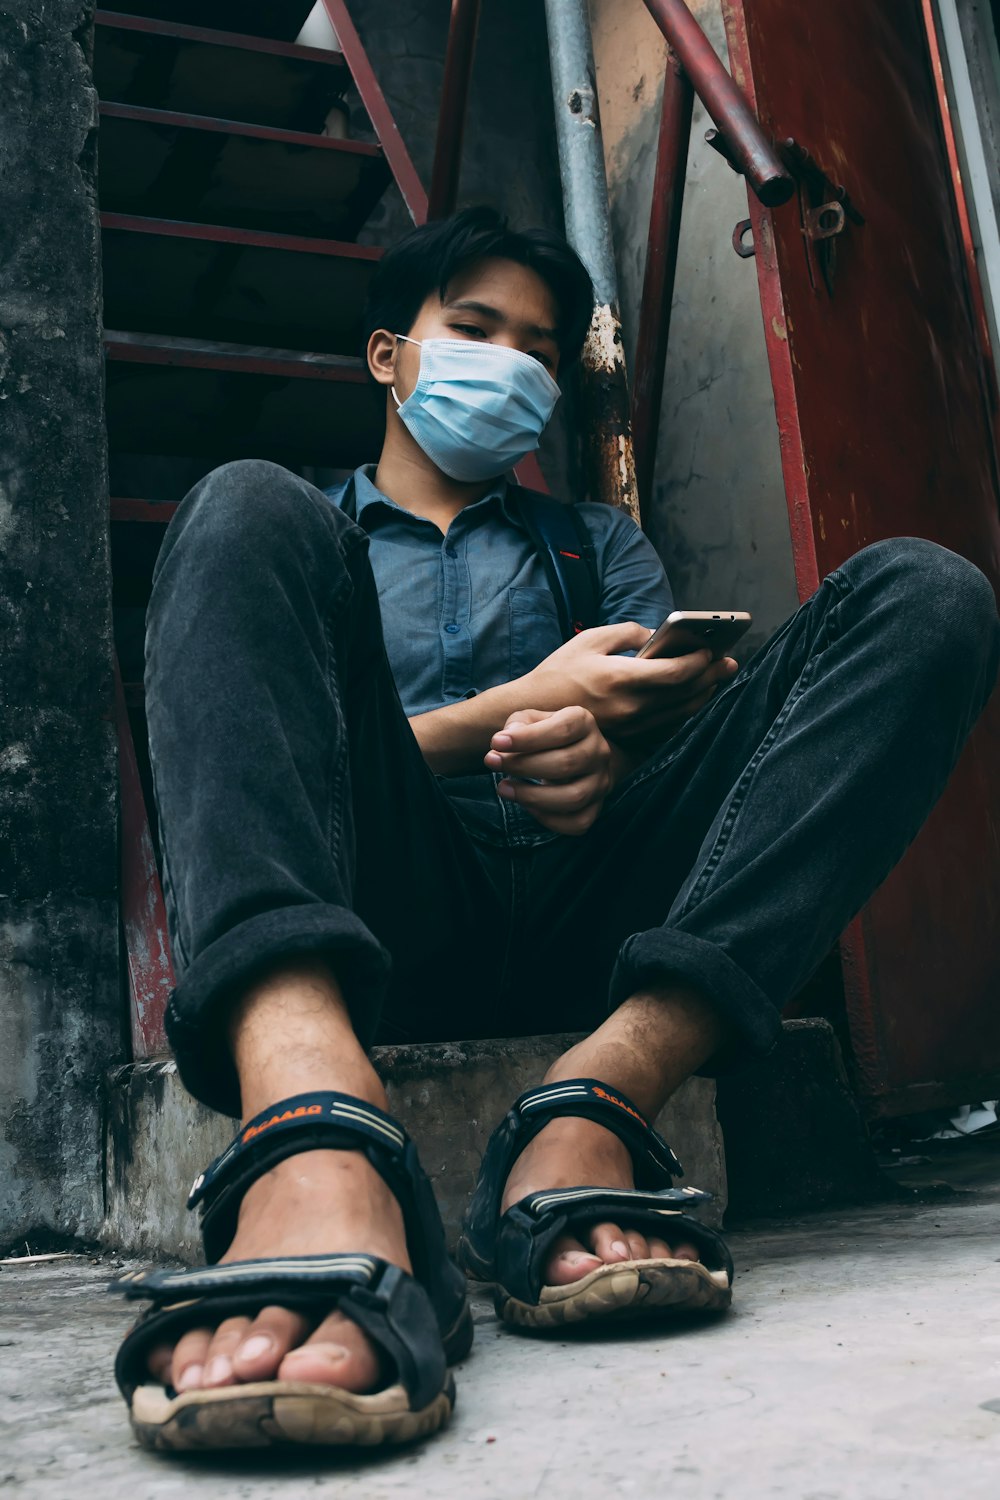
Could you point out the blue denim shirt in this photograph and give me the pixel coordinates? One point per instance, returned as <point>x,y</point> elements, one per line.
<point>473,609</point>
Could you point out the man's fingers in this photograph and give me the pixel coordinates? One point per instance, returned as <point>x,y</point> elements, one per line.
<point>609,640</point>
<point>554,798</point>
<point>670,671</point>
<point>685,692</point>
<point>560,765</point>
<point>528,716</point>
<point>550,731</point>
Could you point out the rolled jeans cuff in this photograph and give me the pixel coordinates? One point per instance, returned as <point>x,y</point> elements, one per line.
<point>663,956</point>
<point>196,1014</point>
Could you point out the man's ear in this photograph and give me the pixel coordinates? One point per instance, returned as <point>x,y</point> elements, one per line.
<point>382,356</point>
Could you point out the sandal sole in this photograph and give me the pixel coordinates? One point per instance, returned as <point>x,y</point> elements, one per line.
<point>279,1413</point>
<point>628,1289</point>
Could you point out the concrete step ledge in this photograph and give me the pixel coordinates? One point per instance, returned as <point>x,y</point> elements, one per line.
<point>449,1096</point>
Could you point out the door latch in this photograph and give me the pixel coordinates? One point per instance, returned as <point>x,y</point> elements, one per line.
<point>825,209</point>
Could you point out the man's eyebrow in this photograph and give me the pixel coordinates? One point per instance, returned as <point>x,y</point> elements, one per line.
<point>485,311</point>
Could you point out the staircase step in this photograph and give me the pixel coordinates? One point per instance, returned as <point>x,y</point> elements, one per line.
<point>448,1095</point>
<point>188,69</point>
<point>167,165</point>
<point>183,397</point>
<point>282,19</point>
<point>237,285</point>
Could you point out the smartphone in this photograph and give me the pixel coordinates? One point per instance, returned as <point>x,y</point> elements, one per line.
<point>689,630</point>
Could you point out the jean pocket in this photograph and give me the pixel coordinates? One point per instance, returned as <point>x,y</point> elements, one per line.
<point>534,628</point>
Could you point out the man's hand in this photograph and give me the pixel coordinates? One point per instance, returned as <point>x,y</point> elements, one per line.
<point>633,701</point>
<point>637,704</point>
<point>564,750</point>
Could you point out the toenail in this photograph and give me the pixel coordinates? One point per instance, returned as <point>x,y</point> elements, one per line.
<point>620,1248</point>
<point>333,1353</point>
<point>255,1347</point>
<point>577,1257</point>
<point>218,1370</point>
<point>188,1378</point>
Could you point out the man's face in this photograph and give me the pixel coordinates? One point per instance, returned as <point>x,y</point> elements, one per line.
<point>494,301</point>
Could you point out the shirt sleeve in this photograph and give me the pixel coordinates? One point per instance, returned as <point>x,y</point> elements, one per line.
<point>634,584</point>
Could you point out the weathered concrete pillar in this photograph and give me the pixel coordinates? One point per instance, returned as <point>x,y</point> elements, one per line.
<point>60,1020</point>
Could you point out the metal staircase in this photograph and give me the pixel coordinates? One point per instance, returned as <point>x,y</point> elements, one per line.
<point>231,197</point>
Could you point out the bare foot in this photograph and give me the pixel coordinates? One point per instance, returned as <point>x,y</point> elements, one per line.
<point>317,1203</point>
<point>571,1152</point>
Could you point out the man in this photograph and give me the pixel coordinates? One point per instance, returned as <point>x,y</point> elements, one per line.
<point>476,828</point>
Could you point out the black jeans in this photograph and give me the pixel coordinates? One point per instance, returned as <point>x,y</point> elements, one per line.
<point>298,816</point>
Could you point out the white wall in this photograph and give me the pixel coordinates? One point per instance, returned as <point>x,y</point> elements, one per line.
<point>719,515</point>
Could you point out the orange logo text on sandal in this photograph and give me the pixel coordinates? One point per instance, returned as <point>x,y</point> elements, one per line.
<point>289,1114</point>
<point>611,1099</point>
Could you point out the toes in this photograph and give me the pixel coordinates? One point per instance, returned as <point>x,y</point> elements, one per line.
<point>638,1245</point>
<point>226,1340</point>
<point>187,1365</point>
<point>158,1362</point>
<point>660,1250</point>
<point>610,1243</point>
<point>686,1251</point>
<point>683,1250</point>
<point>337,1353</point>
<point>273,1332</point>
<point>568,1262</point>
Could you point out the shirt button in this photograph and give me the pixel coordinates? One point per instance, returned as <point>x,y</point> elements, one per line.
<point>450,551</point>
<point>452,628</point>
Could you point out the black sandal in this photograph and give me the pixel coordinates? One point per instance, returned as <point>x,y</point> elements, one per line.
<point>511,1250</point>
<point>420,1323</point>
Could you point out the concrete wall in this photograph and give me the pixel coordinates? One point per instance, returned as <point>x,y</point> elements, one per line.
<point>59,998</point>
<point>718,515</point>
<point>449,1096</point>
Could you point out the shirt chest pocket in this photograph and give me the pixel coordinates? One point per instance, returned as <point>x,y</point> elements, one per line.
<point>534,628</point>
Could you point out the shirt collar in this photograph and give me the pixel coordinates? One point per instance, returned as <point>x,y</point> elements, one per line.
<point>367,495</point>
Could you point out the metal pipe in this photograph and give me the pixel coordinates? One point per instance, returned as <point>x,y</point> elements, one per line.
<point>454,107</point>
<point>747,146</point>
<point>610,462</point>
<point>659,273</point>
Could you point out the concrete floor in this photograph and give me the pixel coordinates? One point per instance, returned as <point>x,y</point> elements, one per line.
<point>862,1359</point>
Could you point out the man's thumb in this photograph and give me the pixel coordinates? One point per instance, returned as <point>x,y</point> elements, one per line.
<point>610,639</point>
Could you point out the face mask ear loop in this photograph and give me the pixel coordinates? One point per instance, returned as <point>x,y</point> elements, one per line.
<point>404,339</point>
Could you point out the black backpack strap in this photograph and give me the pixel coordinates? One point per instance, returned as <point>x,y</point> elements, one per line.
<point>563,543</point>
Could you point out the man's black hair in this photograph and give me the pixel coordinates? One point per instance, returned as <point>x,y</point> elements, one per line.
<point>427,259</point>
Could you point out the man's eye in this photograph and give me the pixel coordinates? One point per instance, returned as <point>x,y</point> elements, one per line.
<point>470,328</point>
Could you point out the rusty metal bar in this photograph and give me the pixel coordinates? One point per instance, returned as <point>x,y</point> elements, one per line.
<point>454,107</point>
<point>144,918</point>
<point>747,147</point>
<point>659,273</point>
<point>374,101</point>
<point>610,463</point>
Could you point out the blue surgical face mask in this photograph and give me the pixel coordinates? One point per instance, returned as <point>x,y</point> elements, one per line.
<point>477,408</point>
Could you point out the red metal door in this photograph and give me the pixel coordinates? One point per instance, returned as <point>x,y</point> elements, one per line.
<point>886,430</point>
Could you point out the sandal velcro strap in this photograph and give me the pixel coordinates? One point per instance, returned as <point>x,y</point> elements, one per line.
<point>317,1121</point>
<point>387,1304</point>
<point>667,1200</point>
<point>593,1100</point>
<point>529,1229</point>
<point>250,1276</point>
